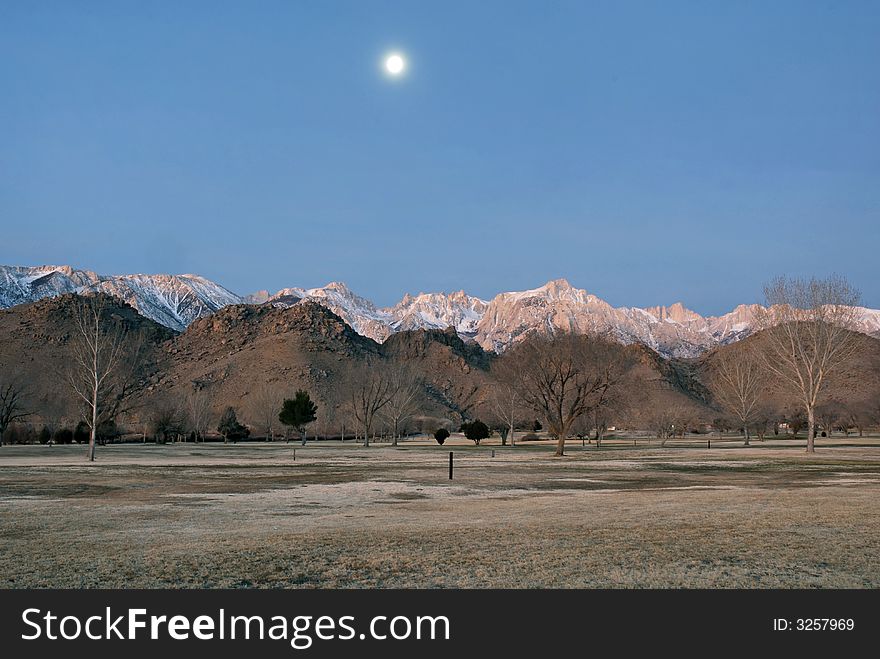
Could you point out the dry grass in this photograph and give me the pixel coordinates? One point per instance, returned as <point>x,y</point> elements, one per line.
<point>345,516</point>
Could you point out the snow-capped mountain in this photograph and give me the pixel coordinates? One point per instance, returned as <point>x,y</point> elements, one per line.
<point>439,311</point>
<point>19,285</point>
<point>673,331</point>
<point>172,300</point>
<point>423,311</point>
<point>360,314</point>
<point>558,306</point>
<point>510,317</point>
<point>177,300</point>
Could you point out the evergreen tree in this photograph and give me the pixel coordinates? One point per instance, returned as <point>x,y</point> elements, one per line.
<point>441,435</point>
<point>475,431</point>
<point>229,426</point>
<point>298,413</point>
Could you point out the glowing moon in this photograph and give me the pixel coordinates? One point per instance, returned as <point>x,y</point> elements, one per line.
<point>395,64</point>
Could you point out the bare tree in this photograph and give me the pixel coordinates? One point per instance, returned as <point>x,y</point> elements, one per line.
<point>860,415</point>
<point>404,402</point>
<point>611,402</point>
<point>166,423</point>
<point>796,421</point>
<point>329,421</point>
<point>829,415</point>
<point>102,362</point>
<point>369,391</point>
<point>198,412</point>
<point>265,405</point>
<point>761,422</point>
<point>721,424</point>
<point>673,420</point>
<point>662,422</point>
<point>809,336</point>
<point>504,397</point>
<point>736,380</point>
<point>562,378</point>
<point>12,405</point>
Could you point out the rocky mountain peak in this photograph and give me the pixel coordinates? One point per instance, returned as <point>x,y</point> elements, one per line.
<point>676,312</point>
<point>176,301</point>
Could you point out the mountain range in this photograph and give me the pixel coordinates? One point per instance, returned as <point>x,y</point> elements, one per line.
<point>176,301</point>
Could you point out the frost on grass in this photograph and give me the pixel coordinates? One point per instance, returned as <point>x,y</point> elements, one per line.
<point>347,517</point>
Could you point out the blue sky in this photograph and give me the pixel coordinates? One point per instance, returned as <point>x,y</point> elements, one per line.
<point>647,151</point>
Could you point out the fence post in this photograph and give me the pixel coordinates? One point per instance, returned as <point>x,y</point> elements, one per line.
<point>450,465</point>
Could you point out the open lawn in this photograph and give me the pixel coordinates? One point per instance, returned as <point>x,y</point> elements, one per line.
<point>341,515</point>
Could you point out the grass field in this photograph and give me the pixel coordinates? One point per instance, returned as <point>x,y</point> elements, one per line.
<point>248,515</point>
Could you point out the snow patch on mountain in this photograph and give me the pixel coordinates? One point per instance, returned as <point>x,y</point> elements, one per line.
<point>19,285</point>
<point>557,306</point>
<point>358,312</point>
<point>438,311</point>
<point>172,300</point>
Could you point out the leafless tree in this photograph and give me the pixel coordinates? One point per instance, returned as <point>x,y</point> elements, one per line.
<point>829,415</point>
<point>404,402</point>
<point>265,405</point>
<point>721,424</point>
<point>611,402</point>
<point>809,327</point>
<point>561,378</point>
<point>331,418</point>
<point>369,391</point>
<point>102,363</point>
<point>736,381</point>
<point>504,397</point>
<point>166,423</point>
<point>669,421</point>
<point>198,411</point>
<point>795,420</point>
<point>348,422</point>
<point>12,405</point>
<point>662,422</point>
<point>860,415</point>
<point>760,423</point>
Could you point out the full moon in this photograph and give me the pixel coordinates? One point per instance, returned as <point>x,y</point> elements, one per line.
<point>395,64</point>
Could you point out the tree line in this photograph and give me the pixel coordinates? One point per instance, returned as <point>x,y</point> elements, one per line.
<point>577,385</point>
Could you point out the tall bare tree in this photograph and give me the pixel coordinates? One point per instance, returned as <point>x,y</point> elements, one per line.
<point>405,397</point>
<point>369,391</point>
<point>736,383</point>
<point>102,362</point>
<point>504,397</point>
<point>265,406</point>
<point>809,326</point>
<point>198,412</point>
<point>561,378</point>
<point>12,405</point>
<point>611,402</point>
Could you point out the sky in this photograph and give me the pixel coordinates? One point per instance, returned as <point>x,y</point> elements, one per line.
<point>649,152</point>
